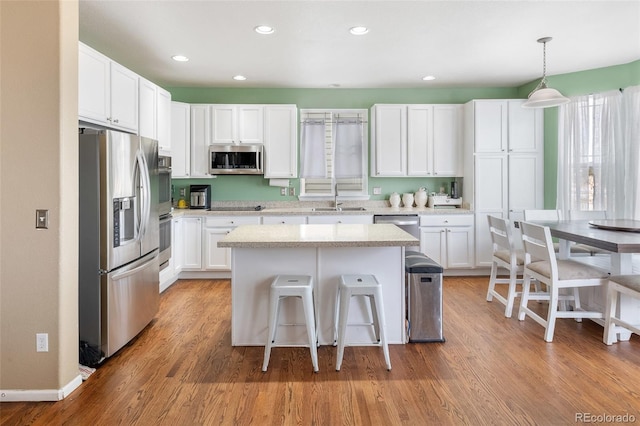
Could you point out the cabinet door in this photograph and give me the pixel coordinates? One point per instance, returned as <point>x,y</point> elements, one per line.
<point>338,218</point>
<point>192,227</point>
<point>216,258</point>
<point>459,247</point>
<point>223,124</point>
<point>180,139</point>
<point>447,140</point>
<point>93,85</point>
<point>390,140</point>
<point>432,243</point>
<point>250,124</point>
<point>148,107</point>
<point>281,141</point>
<point>124,98</point>
<point>420,140</point>
<point>200,132</point>
<point>525,183</point>
<point>491,183</point>
<point>490,126</point>
<point>525,128</point>
<point>163,120</point>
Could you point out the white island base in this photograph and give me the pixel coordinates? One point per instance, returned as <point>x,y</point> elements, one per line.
<point>254,268</point>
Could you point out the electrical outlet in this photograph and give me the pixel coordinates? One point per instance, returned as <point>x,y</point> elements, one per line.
<point>292,191</point>
<point>42,219</point>
<point>42,342</point>
<point>377,190</point>
<point>283,191</point>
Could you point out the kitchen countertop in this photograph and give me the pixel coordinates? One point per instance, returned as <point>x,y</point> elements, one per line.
<point>297,236</point>
<point>307,209</point>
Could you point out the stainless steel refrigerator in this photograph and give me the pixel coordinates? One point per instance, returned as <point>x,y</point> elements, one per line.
<point>118,270</point>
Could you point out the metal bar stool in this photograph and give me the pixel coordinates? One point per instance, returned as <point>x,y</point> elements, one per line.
<point>284,286</point>
<point>359,285</point>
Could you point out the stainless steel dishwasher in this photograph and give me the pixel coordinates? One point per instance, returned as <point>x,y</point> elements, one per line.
<point>409,223</point>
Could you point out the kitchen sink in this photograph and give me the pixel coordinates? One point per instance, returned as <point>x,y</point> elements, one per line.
<point>339,209</point>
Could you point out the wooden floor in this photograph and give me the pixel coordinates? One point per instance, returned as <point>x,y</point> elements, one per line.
<point>182,370</point>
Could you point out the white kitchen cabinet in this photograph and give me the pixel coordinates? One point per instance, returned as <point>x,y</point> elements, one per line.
<point>200,135</point>
<point>389,140</point>
<point>340,218</point>
<point>280,141</point>
<point>417,140</point>
<point>284,220</point>
<point>504,164</point>
<point>215,229</point>
<point>180,139</point>
<point>237,124</point>
<point>192,249</point>
<point>163,120</point>
<point>107,91</point>
<point>448,239</point>
<point>177,244</point>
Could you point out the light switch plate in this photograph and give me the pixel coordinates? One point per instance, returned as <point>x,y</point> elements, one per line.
<point>377,190</point>
<point>42,219</point>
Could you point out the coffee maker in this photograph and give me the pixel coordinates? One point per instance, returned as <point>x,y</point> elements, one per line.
<point>200,196</point>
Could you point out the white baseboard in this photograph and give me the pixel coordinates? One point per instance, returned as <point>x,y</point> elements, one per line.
<point>37,395</point>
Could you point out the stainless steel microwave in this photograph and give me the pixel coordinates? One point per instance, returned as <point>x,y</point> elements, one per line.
<point>236,160</point>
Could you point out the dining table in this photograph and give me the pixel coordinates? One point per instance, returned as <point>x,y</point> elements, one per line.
<point>620,237</point>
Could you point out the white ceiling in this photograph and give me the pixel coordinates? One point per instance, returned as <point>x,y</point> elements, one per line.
<point>476,43</point>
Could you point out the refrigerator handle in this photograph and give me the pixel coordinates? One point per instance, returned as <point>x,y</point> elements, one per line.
<point>145,196</point>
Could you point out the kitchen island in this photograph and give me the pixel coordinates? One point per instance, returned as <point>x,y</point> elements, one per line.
<point>260,252</point>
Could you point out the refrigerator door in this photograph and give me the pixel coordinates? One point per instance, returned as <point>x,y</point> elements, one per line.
<point>149,195</point>
<point>132,296</point>
<point>121,217</point>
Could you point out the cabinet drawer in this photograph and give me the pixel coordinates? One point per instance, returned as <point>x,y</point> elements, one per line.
<point>231,221</point>
<point>284,220</point>
<point>447,220</point>
<point>338,218</point>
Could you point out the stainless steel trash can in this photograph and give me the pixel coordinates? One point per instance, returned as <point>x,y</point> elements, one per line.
<point>424,298</point>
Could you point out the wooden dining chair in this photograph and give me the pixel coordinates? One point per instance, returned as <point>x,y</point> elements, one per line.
<point>554,216</point>
<point>541,264</point>
<point>506,256</point>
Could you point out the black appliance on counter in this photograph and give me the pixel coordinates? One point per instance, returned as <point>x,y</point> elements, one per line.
<point>200,196</point>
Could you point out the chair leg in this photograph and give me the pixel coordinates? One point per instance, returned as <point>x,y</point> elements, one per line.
<point>374,316</point>
<point>524,297</point>
<point>552,314</point>
<point>309,314</point>
<point>379,306</point>
<point>576,302</point>
<point>609,336</point>
<point>492,281</point>
<point>274,304</point>
<point>511,295</point>
<point>345,298</point>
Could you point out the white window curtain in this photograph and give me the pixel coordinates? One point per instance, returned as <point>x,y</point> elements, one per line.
<point>598,154</point>
<point>348,148</point>
<point>312,149</point>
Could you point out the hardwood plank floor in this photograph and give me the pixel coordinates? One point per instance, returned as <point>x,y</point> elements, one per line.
<point>182,370</point>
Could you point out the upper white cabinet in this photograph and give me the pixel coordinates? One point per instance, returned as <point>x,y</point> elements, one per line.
<point>107,91</point>
<point>200,136</point>
<point>281,141</point>
<point>416,140</point>
<point>163,120</point>
<point>180,140</point>
<point>504,164</point>
<point>237,124</point>
<point>155,115</point>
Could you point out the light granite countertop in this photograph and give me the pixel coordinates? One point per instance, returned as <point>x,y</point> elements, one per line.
<point>313,209</point>
<point>297,236</point>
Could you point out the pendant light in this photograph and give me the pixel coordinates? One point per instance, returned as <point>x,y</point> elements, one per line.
<point>543,96</point>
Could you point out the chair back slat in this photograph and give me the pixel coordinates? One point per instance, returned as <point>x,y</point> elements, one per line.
<point>538,245</point>
<point>500,233</point>
<point>543,215</point>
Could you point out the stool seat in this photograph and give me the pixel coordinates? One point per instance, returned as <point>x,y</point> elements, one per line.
<point>359,285</point>
<point>629,285</point>
<point>284,286</point>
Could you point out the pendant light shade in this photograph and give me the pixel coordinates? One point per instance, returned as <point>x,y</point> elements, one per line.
<point>543,96</point>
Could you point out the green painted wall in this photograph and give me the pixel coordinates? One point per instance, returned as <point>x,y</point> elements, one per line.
<point>257,188</point>
<point>574,84</point>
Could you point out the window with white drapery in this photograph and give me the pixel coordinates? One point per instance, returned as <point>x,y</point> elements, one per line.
<point>333,151</point>
<point>598,154</point>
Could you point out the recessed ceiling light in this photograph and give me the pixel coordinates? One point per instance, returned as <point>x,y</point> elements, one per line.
<point>264,29</point>
<point>240,78</point>
<point>334,85</point>
<point>359,30</point>
<point>428,78</point>
<point>180,58</point>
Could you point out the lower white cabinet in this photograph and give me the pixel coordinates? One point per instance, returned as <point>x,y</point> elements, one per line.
<point>448,239</point>
<point>177,245</point>
<point>338,218</point>
<point>192,240</point>
<point>215,229</point>
<point>284,220</point>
